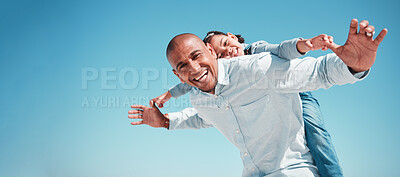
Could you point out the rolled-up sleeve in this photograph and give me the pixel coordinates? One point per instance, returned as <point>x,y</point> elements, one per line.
<point>180,89</point>
<point>187,119</point>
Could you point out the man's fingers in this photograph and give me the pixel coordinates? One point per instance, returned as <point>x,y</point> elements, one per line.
<point>135,112</point>
<point>353,26</point>
<point>139,107</point>
<point>363,26</point>
<point>380,37</point>
<point>135,116</point>
<point>369,31</point>
<point>137,123</point>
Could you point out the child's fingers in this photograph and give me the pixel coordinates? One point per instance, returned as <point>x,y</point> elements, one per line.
<point>309,44</point>
<point>155,100</point>
<point>158,101</point>
<point>326,38</point>
<point>330,39</point>
<point>152,103</point>
<point>322,37</point>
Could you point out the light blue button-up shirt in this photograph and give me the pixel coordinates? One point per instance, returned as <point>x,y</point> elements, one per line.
<point>256,106</point>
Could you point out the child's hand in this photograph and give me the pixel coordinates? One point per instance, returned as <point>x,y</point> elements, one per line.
<point>319,42</point>
<point>160,100</point>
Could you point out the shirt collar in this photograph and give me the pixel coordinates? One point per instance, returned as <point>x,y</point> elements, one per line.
<point>223,77</point>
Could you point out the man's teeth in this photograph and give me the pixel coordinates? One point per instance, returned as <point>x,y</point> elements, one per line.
<point>198,78</point>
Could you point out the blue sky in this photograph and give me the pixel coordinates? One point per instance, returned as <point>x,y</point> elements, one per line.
<point>53,125</point>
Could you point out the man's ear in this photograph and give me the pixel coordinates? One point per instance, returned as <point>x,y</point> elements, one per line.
<point>232,36</point>
<point>177,75</point>
<point>211,49</point>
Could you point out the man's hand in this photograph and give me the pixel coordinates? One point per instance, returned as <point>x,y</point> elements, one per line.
<point>359,51</point>
<point>319,42</point>
<point>160,100</point>
<point>149,115</point>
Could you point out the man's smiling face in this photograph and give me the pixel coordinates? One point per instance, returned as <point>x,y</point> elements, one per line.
<point>193,62</point>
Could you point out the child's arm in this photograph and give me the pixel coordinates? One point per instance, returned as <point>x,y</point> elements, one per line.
<point>286,49</point>
<point>290,49</point>
<point>175,91</point>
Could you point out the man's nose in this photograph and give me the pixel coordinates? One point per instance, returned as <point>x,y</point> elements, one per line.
<point>194,66</point>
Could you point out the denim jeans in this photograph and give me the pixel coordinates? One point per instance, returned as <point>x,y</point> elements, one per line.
<point>318,139</point>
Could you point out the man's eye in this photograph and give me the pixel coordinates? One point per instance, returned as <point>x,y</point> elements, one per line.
<point>226,43</point>
<point>182,65</point>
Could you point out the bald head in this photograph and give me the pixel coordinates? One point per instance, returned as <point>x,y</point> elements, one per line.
<point>182,39</point>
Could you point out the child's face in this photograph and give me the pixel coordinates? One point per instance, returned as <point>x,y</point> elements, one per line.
<point>226,46</point>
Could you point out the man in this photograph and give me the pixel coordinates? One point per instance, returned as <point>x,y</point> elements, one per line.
<point>253,100</point>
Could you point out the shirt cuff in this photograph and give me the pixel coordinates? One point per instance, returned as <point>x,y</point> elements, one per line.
<point>174,91</point>
<point>361,75</point>
<point>173,119</point>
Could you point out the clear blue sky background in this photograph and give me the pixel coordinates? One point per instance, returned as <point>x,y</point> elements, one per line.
<point>52,126</point>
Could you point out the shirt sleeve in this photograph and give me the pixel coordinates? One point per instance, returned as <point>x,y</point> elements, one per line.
<point>180,89</point>
<point>187,119</point>
<point>286,49</point>
<point>298,75</point>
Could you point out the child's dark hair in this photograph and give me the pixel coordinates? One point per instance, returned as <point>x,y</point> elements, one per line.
<point>211,34</point>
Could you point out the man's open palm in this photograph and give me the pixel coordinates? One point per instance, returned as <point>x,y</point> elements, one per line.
<point>359,51</point>
<point>149,115</point>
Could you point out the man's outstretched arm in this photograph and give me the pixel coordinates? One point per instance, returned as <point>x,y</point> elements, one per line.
<point>356,58</point>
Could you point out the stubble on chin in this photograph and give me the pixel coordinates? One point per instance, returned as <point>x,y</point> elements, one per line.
<point>211,89</point>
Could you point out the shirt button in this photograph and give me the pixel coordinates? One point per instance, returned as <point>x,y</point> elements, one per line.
<point>253,169</point>
<point>245,154</point>
<point>227,108</point>
<point>215,96</point>
<point>237,131</point>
